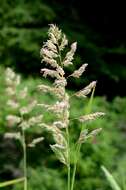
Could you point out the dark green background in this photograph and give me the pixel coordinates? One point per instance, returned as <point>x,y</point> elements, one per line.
<point>99,29</point>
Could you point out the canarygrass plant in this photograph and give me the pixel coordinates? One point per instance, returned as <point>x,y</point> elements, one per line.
<point>19,120</point>
<point>56,58</point>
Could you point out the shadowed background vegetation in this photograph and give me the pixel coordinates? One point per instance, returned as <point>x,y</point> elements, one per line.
<point>100,33</point>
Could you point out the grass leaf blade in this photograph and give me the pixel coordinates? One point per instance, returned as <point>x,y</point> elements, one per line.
<point>11,182</point>
<point>110,179</point>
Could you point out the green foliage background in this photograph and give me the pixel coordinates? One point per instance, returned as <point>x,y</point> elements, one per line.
<point>101,43</point>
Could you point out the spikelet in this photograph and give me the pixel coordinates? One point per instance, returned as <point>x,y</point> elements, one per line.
<point>10,77</point>
<point>60,153</point>
<point>85,91</point>
<point>59,138</point>
<point>60,82</point>
<point>57,41</point>
<point>49,128</point>
<point>17,80</point>
<point>51,46</point>
<point>90,117</point>
<point>10,91</point>
<point>44,88</point>
<point>23,93</point>
<point>13,120</point>
<point>59,92</point>
<point>50,61</point>
<point>35,120</point>
<point>36,141</point>
<point>24,125</point>
<point>95,132</point>
<point>69,56</point>
<point>59,124</point>
<point>84,135</point>
<point>13,104</point>
<point>79,72</point>
<point>64,42</point>
<point>48,53</point>
<point>29,108</point>
<point>49,72</point>
<point>54,33</point>
<point>16,136</point>
<point>58,107</point>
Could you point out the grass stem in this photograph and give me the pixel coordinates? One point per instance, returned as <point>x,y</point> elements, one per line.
<point>24,159</point>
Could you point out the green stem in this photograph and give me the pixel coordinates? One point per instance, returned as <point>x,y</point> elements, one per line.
<point>75,165</point>
<point>24,159</point>
<point>68,153</point>
<point>67,134</point>
<point>77,152</point>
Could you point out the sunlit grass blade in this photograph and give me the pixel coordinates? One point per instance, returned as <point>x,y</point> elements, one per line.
<point>11,182</point>
<point>110,179</point>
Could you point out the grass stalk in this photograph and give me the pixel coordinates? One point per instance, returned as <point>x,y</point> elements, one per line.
<point>77,152</point>
<point>24,159</point>
<point>68,153</point>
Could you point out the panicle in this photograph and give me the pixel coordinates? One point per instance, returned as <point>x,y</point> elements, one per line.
<point>52,54</point>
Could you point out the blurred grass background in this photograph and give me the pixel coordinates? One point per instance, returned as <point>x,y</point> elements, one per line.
<point>100,34</point>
